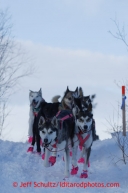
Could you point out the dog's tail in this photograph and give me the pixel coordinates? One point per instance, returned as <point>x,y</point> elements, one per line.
<point>55,99</point>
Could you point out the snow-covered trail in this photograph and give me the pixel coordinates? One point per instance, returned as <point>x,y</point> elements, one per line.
<point>16,165</point>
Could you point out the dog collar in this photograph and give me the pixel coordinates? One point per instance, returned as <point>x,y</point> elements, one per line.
<point>36,111</point>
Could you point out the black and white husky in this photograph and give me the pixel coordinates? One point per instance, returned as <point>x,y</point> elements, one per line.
<point>84,120</point>
<point>57,134</point>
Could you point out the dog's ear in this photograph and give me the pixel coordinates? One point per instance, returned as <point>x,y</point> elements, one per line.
<point>67,90</point>
<point>90,107</point>
<point>41,122</point>
<point>86,98</point>
<point>81,92</point>
<point>76,89</point>
<point>54,122</point>
<point>30,92</point>
<point>75,93</point>
<point>92,97</point>
<point>40,91</point>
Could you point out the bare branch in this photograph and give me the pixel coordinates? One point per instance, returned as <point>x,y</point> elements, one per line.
<point>120,34</point>
<point>12,64</point>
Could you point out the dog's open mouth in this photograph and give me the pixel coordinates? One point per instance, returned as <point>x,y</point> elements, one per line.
<point>34,103</point>
<point>47,144</point>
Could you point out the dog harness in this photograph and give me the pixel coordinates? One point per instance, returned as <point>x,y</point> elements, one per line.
<point>36,111</point>
<point>64,117</point>
<point>82,141</point>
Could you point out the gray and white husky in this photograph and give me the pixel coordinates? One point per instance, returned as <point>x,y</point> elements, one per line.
<point>35,98</point>
<point>57,134</point>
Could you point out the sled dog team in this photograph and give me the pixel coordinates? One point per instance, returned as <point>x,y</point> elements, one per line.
<point>63,126</point>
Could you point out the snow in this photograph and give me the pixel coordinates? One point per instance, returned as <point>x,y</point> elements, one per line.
<point>16,165</point>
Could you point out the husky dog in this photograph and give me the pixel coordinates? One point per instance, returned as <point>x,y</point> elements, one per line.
<point>67,100</point>
<point>86,102</point>
<point>83,120</point>
<point>58,133</point>
<point>49,110</point>
<point>35,99</point>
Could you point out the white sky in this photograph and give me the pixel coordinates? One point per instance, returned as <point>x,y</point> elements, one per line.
<point>69,43</point>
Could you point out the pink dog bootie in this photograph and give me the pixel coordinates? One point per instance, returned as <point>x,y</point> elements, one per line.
<point>84,174</point>
<point>74,170</point>
<point>30,149</point>
<point>81,160</point>
<point>43,156</point>
<point>52,160</point>
<point>30,139</point>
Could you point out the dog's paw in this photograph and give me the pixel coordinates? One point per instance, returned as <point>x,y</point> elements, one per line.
<point>81,160</point>
<point>74,170</point>
<point>43,156</point>
<point>30,139</point>
<point>30,149</point>
<point>84,174</point>
<point>52,160</point>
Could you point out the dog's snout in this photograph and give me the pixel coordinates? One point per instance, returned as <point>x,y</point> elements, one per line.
<point>85,127</point>
<point>45,140</point>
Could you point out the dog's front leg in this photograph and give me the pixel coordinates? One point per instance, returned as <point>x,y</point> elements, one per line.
<point>52,158</point>
<point>74,155</point>
<point>46,159</point>
<point>66,158</point>
<point>85,159</point>
<point>31,121</point>
<point>74,169</point>
<point>84,174</point>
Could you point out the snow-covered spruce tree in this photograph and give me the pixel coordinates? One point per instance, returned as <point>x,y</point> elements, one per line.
<point>12,65</point>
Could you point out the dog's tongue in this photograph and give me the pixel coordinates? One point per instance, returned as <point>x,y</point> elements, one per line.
<point>34,104</point>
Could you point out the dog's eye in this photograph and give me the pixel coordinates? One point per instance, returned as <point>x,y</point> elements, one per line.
<point>50,132</point>
<point>81,120</point>
<point>43,132</point>
<point>88,119</point>
<point>70,98</point>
